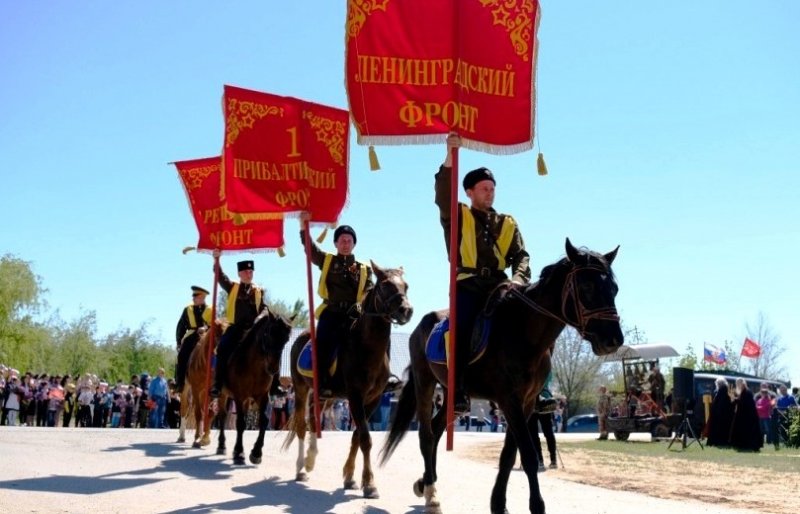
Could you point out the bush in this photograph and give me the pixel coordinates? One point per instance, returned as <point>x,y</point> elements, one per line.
<point>794,428</point>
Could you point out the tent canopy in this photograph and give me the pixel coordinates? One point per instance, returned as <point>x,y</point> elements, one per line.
<point>641,351</point>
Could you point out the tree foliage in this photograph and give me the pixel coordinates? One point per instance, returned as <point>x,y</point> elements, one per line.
<point>576,369</point>
<point>770,363</point>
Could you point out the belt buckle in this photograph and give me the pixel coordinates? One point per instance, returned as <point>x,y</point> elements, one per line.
<point>485,273</point>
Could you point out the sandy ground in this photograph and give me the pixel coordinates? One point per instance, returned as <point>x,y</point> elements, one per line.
<point>51,470</point>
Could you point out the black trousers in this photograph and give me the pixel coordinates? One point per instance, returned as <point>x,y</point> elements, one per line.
<point>187,346</point>
<point>332,331</point>
<point>227,343</point>
<point>470,301</point>
<point>546,421</point>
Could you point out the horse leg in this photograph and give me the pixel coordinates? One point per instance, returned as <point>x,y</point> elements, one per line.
<point>506,463</point>
<point>518,424</point>
<point>256,452</point>
<point>350,464</point>
<point>241,423</point>
<point>184,414</point>
<point>364,439</point>
<point>223,418</point>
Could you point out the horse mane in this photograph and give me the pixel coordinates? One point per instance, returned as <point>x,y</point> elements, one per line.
<point>587,256</point>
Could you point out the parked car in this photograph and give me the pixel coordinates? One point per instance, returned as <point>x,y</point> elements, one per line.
<point>582,423</point>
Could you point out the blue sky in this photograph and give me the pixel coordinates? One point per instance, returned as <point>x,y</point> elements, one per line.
<point>670,129</point>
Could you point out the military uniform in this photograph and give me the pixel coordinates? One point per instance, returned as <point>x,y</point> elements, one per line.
<point>343,283</point>
<point>489,242</point>
<point>245,302</point>
<point>187,333</point>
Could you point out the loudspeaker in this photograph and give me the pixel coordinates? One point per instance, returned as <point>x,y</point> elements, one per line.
<point>682,383</point>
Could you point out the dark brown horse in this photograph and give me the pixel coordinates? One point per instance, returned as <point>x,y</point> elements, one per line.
<point>361,374</point>
<point>252,367</point>
<point>579,290</point>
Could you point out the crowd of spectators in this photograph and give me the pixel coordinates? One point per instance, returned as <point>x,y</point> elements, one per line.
<point>51,400</point>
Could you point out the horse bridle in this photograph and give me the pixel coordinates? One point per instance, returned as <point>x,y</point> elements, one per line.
<point>379,304</point>
<point>584,315</point>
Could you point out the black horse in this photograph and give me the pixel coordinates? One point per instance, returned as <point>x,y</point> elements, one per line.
<point>579,290</point>
<point>361,374</point>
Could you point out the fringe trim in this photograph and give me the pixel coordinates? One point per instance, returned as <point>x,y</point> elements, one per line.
<point>210,251</point>
<point>431,139</point>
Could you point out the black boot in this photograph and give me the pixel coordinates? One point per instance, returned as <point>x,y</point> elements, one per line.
<point>393,384</point>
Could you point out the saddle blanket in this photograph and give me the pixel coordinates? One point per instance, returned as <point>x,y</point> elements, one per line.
<point>438,342</point>
<point>304,365</point>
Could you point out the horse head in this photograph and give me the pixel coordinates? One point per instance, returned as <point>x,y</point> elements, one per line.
<point>588,290</point>
<point>272,332</point>
<point>388,298</point>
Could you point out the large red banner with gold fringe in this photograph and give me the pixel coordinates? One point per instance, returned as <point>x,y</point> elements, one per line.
<point>417,69</point>
<point>215,224</point>
<point>283,155</point>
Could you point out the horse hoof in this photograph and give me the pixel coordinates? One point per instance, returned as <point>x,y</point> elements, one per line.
<point>255,460</point>
<point>419,487</point>
<point>238,460</point>
<point>220,451</point>
<point>371,492</point>
<point>196,444</point>
<point>433,509</point>
<point>350,484</point>
<point>181,440</point>
<point>301,477</point>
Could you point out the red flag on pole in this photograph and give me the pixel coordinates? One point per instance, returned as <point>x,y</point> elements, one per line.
<point>751,348</point>
<point>283,155</point>
<point>215,224</point>
<point>418,69</point>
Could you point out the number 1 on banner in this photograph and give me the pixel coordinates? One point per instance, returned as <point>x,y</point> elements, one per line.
<point>293,133</point>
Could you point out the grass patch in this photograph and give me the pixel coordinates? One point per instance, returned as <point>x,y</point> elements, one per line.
<point>785,460</point>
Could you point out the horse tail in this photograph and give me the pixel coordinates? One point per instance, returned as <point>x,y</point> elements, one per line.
<point>406,409</point>
<point>291,432</point>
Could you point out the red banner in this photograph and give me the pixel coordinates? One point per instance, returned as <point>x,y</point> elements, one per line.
<point>282,155</point>
<point>215,224</point>
<point>751,348</point>
<point>417,69</point>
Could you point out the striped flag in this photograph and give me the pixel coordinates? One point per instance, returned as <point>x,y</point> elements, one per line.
<point>713,354</point>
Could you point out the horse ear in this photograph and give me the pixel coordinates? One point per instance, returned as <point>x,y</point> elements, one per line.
<point>610,256</point>
<point>377,269</point>
<point>572,252</point>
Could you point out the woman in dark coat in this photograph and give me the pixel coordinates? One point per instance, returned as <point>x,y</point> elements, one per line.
<point>745,430</point>
<point>719,422</point>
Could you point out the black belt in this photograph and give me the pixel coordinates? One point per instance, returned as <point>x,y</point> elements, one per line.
<point>483,272</point>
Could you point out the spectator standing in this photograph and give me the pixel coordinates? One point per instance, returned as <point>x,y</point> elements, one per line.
<point>764,403</point>
<point>494,416</point>
<point>12,400</point>
<point>657,385</point>
<point>721,416</point>
<point>158,393</point>
<point>386,409</point>
<point>745,430</point>
<point>785,400</point>
<point>85,398</point>
<point>69,404</point>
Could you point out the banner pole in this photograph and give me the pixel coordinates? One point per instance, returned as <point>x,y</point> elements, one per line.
<point>211,339</point>
<point>454,251</point>
<point>312,328</point>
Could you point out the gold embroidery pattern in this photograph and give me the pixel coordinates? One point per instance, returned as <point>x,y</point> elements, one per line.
<point>515,16</point>
<point>194,177</point>
<point>329,132</point>
<point>358,11</point>
<point>242,115</point>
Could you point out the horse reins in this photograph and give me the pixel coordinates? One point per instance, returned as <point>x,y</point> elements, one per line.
<point>389,317</point>
<point>583,314</point>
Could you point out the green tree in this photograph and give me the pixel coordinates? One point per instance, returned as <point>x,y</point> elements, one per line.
<point>24,342</point>
<point>129,352</point>
<point>77,347</point>
<point>298,310</point>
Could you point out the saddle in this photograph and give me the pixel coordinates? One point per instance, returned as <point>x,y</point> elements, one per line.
<point>438,340</point>
<point>304,361</point>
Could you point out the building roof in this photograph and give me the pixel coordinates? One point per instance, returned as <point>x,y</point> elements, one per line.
<point>641,351</point>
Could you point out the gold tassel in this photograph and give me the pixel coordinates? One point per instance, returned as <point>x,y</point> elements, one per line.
<point>541,167</point>
<point>321,236</point>
<point>374,165</point>
<point>239,219</point>
<point>187,249</point>
<point>281,252</point>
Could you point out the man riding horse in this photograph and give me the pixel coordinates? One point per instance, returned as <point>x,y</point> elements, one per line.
<point>245,302</point>
<point>488,243</point>
<point>194,320</point>
<point>343,283</point>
